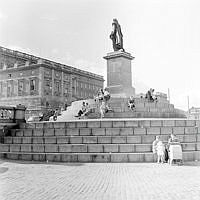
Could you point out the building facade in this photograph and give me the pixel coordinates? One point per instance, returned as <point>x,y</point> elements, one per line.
<point>194,113</point>
<point>41,84</point>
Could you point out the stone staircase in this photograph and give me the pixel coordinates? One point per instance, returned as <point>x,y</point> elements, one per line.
<point>106,140</point>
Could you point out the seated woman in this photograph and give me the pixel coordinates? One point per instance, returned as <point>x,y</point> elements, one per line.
<point>131,103</point>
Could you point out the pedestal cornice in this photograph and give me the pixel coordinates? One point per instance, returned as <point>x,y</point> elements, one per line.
<point>117,54</point>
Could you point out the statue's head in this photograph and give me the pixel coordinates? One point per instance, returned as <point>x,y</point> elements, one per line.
<point>115,21</point>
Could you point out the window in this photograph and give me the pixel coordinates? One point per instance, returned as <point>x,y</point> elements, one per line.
<point>9,88</point>
<point>20,87</point>
<point>32,85</point>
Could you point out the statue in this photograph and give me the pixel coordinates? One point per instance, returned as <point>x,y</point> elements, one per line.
<point>116,36</point>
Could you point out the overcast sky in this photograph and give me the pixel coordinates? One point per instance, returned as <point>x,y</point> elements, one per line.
<point>163,36</point>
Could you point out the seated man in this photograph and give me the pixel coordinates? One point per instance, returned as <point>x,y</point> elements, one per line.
<point>131,103</point>
<point>83,110</point>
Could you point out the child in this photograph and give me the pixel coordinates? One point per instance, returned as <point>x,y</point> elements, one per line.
<point>160,152</point>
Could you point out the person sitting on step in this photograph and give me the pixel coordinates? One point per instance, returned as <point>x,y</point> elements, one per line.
<point>131,103</point>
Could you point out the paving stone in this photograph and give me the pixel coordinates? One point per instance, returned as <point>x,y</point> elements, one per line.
<point>63,140</point>
<point>50,140</point>
<point>89,139</point>
<point>133,139</point>
<point>49,132</point>
<point>95,148</point>
<point>112,131</point>
<point>72,131</point>
<point>51,148</point>
<point>59,132</point>
<point>98,131</point>
<point>119,158</point>
<point>37,132</point>
<point>76,140</point>
<point>28,132</point>
<point>106,124</point>
<point>139,131</point>
<point>131,124</point>
<point>85,131</point>
<point>104,139</point>
<point>38,148</point>
<point>109,148</point>
<point>153,130</point>
<point>26,148</point>
<point>170,123</point>
<point>126,131</point>
<point>38,140</point>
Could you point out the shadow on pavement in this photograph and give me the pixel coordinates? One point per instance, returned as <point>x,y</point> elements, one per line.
<point>3,170</point>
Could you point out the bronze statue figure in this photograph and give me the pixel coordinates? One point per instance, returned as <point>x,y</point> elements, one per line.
<point>116,36</point>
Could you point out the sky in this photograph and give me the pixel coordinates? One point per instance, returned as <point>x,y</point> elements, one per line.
<point>163,36</point>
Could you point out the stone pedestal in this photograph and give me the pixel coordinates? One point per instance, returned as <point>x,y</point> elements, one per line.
<point>119,75</point>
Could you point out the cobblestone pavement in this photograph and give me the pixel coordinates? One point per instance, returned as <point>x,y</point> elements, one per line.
<point>92,181</point>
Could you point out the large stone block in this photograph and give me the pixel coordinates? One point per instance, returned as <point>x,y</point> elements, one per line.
<point>51,148</point>
<point>63,140</point>
<point>59,132</point>
<point>190,130</point>
<point>139,131</point>
<point>198,146</point>
<point>136,157</point>
<point>76,140</point>
<point>178,130</point>
<point>8,140</point>
<point>198,138</point>
<point>190,138</point>
<point>156,123</point>
<point>126,131</point>
<point>131,124</point>
<point>69,158</point>
<point>143,148</point>
<point>104,140</point>
<point>28,132</point>
<point>98,131</point>
<point>170,123</point>
<point>164,138</point>
<point>50,140</point>
<point>72,131</point>
<point>149,157</point>
<point>106,124</point>
<point>38,148</point>
<point>126,148</point>
<point>27,140</point>
<point>39,125</point>
<point>119,140</point>
<point>190,123</point>
<point>180,123</point>
<point>112,131</point>
<point>101,158</point>
<point>188,156</point>
<point>17,140</point>
<point>118,124</point>
<point>147,139</point>
<point>110,148</point>
<point>119,157</point>
<point>94,124</point>
<point>89,139</point>
<point>49,132</point>
<point>14,148</point>
<point>39,157</point>
<point>31,125</point>
<point>153,131</point>
<point>79,148</point>
<point>188,146</point>
<point>37,132</point>
<point>95,148</point>
<point>180,138</point>
<point>25,157</point>
<point>65,148</point>
<point>144,123</point>
<point>20,133</point>
<point>84,158</point>
<point>26,148</point>
<point>59,125</point>
<point>48,125</point>
<point>133,139</point>
<point>70,124</point>
<point>197,155</point>
<point>4,147</point>
<point>85,131</point>
<point>81,124</point>
<point>38,140</point>
<point>53,157</point>
<point>166,130</point>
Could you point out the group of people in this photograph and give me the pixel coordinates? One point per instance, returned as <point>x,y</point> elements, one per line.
<point>150,95</point>
<point>131,103</point>
<point>163,150</point>
<point>84,111</point>
<point>102,98</point>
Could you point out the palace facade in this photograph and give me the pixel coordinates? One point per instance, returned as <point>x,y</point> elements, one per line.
<point>40,84</point>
